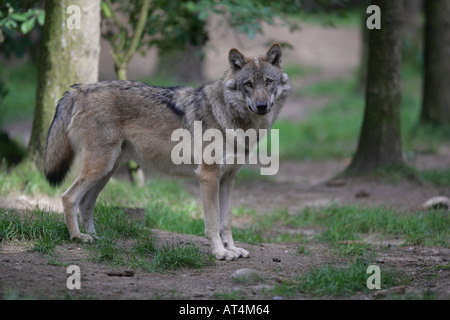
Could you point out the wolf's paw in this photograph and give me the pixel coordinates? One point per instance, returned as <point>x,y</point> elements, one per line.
<point>224,254</point>
<point>242,253</point>
<point>83,237</point>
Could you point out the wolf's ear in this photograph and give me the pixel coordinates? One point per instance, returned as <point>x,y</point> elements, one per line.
<point>236,60</point>
<point>274,55</point>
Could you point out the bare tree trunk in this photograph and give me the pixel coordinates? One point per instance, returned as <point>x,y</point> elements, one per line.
<point>436,95</point>
<point>67,56</point>
<point>380,137</point>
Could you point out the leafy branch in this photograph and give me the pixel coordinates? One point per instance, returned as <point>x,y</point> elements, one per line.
<point>124,50</point>
<point>12,19</point>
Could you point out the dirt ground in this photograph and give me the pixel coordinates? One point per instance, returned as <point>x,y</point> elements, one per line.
<point>297,185</point>
<point>27,274</point>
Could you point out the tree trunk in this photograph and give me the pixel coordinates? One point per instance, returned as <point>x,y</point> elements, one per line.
<point>436,95</point>
<point>67,56</point>
<point>380,137</point>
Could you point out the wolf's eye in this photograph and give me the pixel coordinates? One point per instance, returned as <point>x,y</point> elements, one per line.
<point>248,84</point>
<point>269,81</point>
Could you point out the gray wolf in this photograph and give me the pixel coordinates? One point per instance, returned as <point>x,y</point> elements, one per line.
<point>109,122</point>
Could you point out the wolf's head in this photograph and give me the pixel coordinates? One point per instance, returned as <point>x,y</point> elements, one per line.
<point>258,84</point>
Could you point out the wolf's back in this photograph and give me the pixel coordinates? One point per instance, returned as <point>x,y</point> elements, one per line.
<point>59,153</point>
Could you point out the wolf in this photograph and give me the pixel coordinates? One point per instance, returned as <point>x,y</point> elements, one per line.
<point>110,122</point>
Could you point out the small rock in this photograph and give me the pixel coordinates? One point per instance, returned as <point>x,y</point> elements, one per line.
<point>437,203</point>
<point>362,194</point>
<point>276,259</point>
<point>125,273</point>
<point>336,183</point>
<point>247,275</point>
<point>398,290</point>
<point>394,290</point>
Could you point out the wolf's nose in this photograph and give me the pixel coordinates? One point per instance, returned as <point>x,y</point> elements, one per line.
<point>261,107</point>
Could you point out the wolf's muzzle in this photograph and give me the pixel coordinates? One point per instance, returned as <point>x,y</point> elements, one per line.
<point>260,107</point>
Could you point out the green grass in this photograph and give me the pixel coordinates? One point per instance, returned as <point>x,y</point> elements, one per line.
<point>342,223</point>
<point>337,280</point>
<point>352,222</point>
<point>120,241</point>
<point>436,177</point>
<point>131,243</point>
<point>44,229</point>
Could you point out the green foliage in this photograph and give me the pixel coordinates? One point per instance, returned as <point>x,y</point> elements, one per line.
<point>171,24</point>
<point>13,16</point>
<point>17,19</point>
<point>247,16</point>
<point>19,90</point>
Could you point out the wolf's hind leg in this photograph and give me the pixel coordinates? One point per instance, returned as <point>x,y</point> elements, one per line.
<point>87,203</point>
<point>93,171</point>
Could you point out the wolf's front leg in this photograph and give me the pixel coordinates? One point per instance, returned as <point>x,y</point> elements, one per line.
<point>209,178</point>
<point>226,188</point>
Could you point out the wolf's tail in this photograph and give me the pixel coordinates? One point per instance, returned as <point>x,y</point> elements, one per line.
<point>59,153</point>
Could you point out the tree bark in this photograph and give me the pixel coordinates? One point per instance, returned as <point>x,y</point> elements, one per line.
<point>67,56</point>
<point>380,138</point>
<point>436,94</point>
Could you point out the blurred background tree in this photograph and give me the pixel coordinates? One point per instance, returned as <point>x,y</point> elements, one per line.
<point>380,137</point>
<point>436,68</point>
<point>66,56</point>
